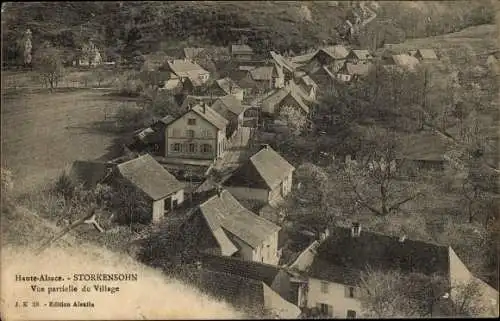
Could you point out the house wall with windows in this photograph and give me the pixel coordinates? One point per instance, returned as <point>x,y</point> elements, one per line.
<point>333,299</point>
<point>162,206</point>
<point>191,136</point>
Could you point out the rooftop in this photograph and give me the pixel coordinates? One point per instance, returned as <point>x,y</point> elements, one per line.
<point>361,54</point>
<point>262,73</point>
<point>227,85</point>
<point>342,257</point>
<point>224,214</point>
<point>336,52</point>
<point>427,53</point>
<point>211,116</point>
<point>149,176</point>
<point>231,103</point>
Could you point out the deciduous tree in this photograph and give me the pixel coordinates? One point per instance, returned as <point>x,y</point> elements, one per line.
<point>48,62</point>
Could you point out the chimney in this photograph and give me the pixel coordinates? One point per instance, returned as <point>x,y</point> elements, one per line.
<point>355,229</point>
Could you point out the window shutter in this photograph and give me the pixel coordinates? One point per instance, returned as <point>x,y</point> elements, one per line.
<point>346,291</point>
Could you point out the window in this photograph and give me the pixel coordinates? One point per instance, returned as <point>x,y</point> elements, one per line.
<point>191,121</point>
<point>190,133</point>
<point>325,309</point>
<point>206,148</point>
<point>351,314</point>
<point>324,287</point>
<point>350,292</point>
<point>176,147</point>
<point>192,148</point>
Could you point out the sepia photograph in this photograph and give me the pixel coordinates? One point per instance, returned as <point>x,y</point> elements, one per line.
<point>165,160</point>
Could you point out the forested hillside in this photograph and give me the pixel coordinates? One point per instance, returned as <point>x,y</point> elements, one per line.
<point>120,28</point>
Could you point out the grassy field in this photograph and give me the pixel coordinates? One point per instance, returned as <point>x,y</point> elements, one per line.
<point>43,132</point>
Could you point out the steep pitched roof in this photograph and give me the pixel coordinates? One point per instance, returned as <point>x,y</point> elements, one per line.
<point>299,95</point>
<point>186,68</point>
<point>361,54</point>
<point>241,49</point>
<point>230,103</point>
<point>283,62</point>
<point>211,116</point>
<point>427,53</point>
<point>191,53</point>
<point>227,85</point>
<point>223,211</point>
<point>341,258</point>
<point>274,98</point>
<point>336,52</point>
<point>303,58</point>
<point>271,166</point>
<point>262,73</point>
<point>149,176</point>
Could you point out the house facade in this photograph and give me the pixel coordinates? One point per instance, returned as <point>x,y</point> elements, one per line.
<point>334,263</point>
<point>242,52</point>
<point>287,96</point>
<point>266,178</point>
<point>198,134</point>
<point>162,188</point>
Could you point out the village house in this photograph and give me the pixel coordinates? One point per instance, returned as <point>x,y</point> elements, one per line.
<point>162,188</point>
<point>357,56</point>
<point>226,86</point>
<point>262,78</point>
<point>352,71</point>
<point>266,178</point>
<point>222,226</point>
<point>200,133</point>
<point>331,55</point>
<point>187,74</point>
<point>231,109</point>
<point>425,54</point>
<point>334,265</point>
<point>242,52</point>
<point>258,289</point>
<point>288,67</point>
<point>288,96</point>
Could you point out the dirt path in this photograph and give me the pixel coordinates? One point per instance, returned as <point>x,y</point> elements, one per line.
<point>42,133</point>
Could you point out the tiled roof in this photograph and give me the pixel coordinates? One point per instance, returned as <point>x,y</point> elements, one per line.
<point>186,68</point>
<point>211,116</point>
<point>262,73</point>
<point>231,103</point>
<point>241,49</point>
<point>149,176</point>
<point>341,257</point>
<point>271,166</point>
<point>224,211</point>
<point>427,53</point>
<point>227,85</point>
<point>249,269</point>
<point>336,52</point>
<point>361,54</point>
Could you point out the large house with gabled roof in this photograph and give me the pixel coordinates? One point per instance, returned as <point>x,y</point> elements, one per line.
<point>222,226</point>
<point>200,133</point>
<point>265,178</point>
<point>334,264</point>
